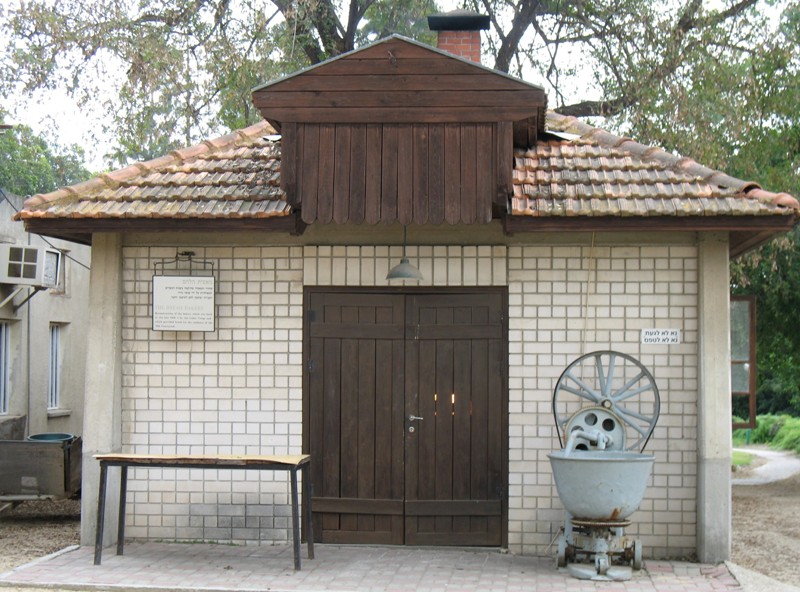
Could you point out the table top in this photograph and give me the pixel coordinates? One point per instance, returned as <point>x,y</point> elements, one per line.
<point>207,460</point>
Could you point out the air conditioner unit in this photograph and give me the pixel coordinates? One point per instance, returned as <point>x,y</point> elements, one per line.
<point>29,266</point>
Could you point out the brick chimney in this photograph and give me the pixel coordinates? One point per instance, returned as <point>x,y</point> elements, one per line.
<point>460,32</point>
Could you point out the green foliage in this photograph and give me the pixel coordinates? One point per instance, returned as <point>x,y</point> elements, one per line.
<point>741,459</point>
<point>788,437</point>
<point>173,74</point>
<point>767,428</point>
<point>28,165</point>
<point>772,274</point>
<point>778,431</point>
<point>688,76</point>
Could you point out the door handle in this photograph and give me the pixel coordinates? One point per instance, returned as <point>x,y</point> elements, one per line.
<point>415,418</point>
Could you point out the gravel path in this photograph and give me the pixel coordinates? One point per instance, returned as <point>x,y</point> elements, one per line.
<point>35,529</point>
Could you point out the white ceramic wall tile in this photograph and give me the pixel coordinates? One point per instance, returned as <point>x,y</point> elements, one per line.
<point>239,389</point>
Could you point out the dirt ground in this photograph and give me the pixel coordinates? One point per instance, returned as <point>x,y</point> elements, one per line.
<point>766,529</point>
<point>35,529</point>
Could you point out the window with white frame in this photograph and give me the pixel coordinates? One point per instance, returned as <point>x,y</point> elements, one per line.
<point>54,376</point>
<point>4,357</point>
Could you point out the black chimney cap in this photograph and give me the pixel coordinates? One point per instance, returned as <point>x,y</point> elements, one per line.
<point>458,20</point>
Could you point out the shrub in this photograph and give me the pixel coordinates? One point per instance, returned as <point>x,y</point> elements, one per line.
<point>788,436</point>
<point>767,428</point>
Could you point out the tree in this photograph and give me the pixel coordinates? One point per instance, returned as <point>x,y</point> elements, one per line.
<point>28,165</point>
<point>719,82</point>
<point>172,73</point>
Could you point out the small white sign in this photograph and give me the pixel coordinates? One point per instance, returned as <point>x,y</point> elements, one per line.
<point>183,303</point>
<point>661,336</point>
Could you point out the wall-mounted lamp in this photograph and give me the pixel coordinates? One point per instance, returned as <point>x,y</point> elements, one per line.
<point>404,270</point>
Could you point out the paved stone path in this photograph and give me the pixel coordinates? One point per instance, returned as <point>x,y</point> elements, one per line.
<point>204,567</point>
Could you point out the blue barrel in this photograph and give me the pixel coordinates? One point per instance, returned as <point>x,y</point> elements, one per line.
<point>51,437</point>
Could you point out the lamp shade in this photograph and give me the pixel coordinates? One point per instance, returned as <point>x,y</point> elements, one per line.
<point>404,271</point>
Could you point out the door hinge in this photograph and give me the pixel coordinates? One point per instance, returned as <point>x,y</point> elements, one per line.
<point>310,366</point>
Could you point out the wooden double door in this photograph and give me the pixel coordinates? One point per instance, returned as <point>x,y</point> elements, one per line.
<point>405,416</point>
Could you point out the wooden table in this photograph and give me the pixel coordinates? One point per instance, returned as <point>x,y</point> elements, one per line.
<point>290,463</point>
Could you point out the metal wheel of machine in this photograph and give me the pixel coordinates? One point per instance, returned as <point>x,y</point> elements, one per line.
<point>637,555</point>
<point>613,381</point>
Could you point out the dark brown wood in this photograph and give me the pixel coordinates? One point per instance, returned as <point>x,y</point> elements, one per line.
<point>289,162</point>
<point>397,81</point>
<point>462,431</point>
<point>356,436</point>
<point>389,173</point>
<point>439,101</point>
<point>446,507</point>
<point>452,173</point>
<point>469,174</point>
<point>436,160</point>
<point>439,473</point>
<point>372,211</point>
<point>341,178</point>
<point>420,173</point>
<point>472,331</point>
<point>485,172</point>
<point>308,170</point>
<point>345,330</point>
<point>403,114</point>
<point>340,505</point>
<point>327,136</point>
<point>451,508</point>
<point>354,66</point>
<point>349,420</point>
<point>346,81</point>
<point>405,174</point>
<point>505,164</point>
<point>358,172</point>
<point>747,231</point>
<point>331,453</point>
<point>393,50</point>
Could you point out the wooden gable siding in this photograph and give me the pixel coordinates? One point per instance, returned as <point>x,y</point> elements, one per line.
<point>408,173</point>
<point>396,81</point>
<point>400,132</point>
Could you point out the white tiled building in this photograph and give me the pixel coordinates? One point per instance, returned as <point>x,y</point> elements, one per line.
<point>597,238</point>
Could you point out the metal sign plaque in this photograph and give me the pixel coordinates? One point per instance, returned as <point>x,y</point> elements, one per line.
<point>661,336</point>
<point>183,303</point>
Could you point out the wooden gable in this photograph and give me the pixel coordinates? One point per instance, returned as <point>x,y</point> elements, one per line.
<point>399,131</point>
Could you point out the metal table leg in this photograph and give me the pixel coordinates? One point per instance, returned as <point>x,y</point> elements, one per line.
<point>101,511</point>
<point>123,488</point>
<point>295,520</point>
<point>308,520</point>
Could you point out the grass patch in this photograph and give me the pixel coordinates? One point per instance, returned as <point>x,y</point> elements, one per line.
<point>781,432</point>
<point>741,459</point>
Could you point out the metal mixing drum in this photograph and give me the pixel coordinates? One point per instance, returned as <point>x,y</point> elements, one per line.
<point>605,405</point>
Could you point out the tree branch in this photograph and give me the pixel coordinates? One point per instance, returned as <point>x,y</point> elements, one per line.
<point>524,12</point>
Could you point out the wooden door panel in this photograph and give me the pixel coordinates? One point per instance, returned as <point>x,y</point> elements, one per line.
<point>354,399</point>
<point>376,359</point>
<point>454,492</point>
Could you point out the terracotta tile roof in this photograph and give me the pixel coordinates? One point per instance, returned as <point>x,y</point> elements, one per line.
<point>596,173</point>
<point>591,173</point>
<point>234,176</point>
